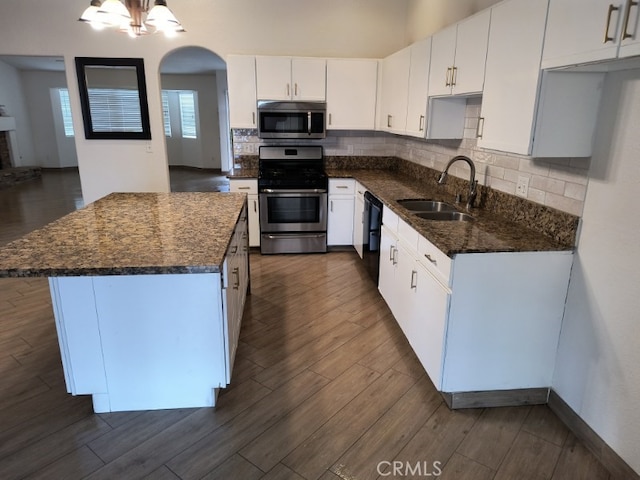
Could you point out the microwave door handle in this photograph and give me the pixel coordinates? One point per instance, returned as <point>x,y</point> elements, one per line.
<point>309,123</point>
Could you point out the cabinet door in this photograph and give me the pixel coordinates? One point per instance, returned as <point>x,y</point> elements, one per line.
<point>443,50</point>
<point>308,77</point>
<point>254,220</point>
<point>395,89</point>
<point>418,87</point>
<point>340,220</point>
<point>471,54</point>
<point>388,256</point>
<point>512,75</point>
<point>630,31</point>
<point>358,220</point>
<point>351,94</point>
<point>241,77</point>
<point>429,311</point>
<point>273,78</point>
<point>576,31</point>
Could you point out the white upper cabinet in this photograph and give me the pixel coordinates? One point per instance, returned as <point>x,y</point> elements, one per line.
<point>241,78</point>
<point>458,57</point>
<point>512,75</point>
<point>420,53</point>
<point>584,31</point>
<point>291,78</point>
<point>395,89</point>
<point>351,93</point>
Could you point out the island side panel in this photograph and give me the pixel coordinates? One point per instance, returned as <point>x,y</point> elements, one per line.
<point>76,319</point>
<point>162,340</point>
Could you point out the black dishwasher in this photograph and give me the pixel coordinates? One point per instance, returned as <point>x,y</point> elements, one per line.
<point>371,239</point>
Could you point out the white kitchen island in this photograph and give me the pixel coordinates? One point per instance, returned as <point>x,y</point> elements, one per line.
<point>148,292</point>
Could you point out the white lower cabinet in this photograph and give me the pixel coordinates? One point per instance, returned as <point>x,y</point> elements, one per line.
<point>250,187</point>
<point>340,215</point>
<point>479,322</point>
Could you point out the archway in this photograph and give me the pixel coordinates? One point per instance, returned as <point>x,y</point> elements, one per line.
<point>194,87</point>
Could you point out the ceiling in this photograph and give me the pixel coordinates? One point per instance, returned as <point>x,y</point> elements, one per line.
<point>186,60</point>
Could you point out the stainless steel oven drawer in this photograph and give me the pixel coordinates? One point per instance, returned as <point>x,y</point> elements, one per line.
<point>293,243</point>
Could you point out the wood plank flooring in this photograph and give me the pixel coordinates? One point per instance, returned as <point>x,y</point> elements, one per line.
<point>324,387</point>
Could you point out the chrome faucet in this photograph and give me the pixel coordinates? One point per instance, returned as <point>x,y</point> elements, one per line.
<point>473,183</point>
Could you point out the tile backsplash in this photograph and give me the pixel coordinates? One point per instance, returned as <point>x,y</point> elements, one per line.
<point>559,183</point>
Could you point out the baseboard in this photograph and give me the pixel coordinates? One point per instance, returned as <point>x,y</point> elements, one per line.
<point>616,466</point>
<point>496,398</point>
<point>197,169</point>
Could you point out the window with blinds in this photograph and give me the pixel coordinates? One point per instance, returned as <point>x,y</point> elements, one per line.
<point>115,110</point>
<point>166,116</point>
<point>188,121</point>
<point>65,107</point>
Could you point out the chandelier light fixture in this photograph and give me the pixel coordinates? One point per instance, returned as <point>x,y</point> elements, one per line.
<point>127,17</point>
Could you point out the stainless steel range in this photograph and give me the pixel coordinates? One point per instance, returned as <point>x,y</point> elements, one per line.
<point>292,188</point>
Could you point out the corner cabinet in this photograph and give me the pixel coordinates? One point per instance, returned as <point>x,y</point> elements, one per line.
<point>340,217</point>
<point>420,57</point>
<point>291,78</point>
<point>586,31</point>
<point>351,93</point>
<point>477,322</point>
<point>241,80</point>
<point>250,187</point>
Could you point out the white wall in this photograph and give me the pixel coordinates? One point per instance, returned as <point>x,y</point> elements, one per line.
<point>12,97</point>
<point>204,151</point>
<point>598,364</point>
<point>426,17</point>
<point>52,149</point>
<point>358,28</point>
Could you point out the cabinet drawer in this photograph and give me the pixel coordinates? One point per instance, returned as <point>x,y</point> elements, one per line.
<point>390,219</point>
<point>344,186</point>
<point>434,259</point>
<point>408,234</point>
<point>249,185</point>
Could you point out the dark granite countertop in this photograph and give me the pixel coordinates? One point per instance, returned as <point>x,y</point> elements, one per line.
<point>130,234</point>
<point>243,173</point>
<point>489,232</point>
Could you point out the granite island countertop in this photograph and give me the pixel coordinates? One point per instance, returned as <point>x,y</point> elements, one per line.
<point>130,234</point>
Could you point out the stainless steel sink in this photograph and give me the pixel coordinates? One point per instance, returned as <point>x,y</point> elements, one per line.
<point>426,206</point>
<point>445,216</point>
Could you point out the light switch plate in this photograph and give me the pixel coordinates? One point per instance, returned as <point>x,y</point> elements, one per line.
<point>522,187</point>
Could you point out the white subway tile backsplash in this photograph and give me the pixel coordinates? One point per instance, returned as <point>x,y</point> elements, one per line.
<point>563,203</point>
<point>575,191</point>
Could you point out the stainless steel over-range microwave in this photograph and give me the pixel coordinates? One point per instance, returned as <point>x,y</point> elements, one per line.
<point>278,119</point>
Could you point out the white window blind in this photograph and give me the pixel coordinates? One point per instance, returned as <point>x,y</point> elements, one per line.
<point>166,117</point>
<point>115,110</point>
<point>65,107</point>
<point>188,114</point>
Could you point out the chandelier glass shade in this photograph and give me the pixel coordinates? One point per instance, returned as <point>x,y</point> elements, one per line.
<point>127,17</point>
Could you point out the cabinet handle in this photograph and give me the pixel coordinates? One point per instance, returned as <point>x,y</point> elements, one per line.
<point>342,186</point>
<point>432,260</point>
<point>421,124</point>
<point>388,121</point>
<point>288,90</point>
<point>295,89</point>
<point>454,76</point>
<point>244,188</point>
<point>331,203</point>
<point>480,131</point>
<point>255,206</point>
<point>236,272</point>
<point>391,249</point>
<point>329,119</point>
<point>234,249</point>
<point>395,257</point>
<point>627,14</point>
<point>414,277</point>
<point>612,9</point>
<point>447,82</point>
<point>253,117</point>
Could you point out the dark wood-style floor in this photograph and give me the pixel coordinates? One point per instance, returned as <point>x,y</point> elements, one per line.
<point>324,387</point>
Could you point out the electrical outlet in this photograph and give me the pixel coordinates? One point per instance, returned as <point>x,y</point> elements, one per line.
<point>522,187</point>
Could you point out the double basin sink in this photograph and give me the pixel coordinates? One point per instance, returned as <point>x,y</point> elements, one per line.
<point>434,210</point>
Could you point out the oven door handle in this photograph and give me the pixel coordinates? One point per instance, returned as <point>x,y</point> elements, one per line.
<point>293,235</point>
<point>272,190</point>
<point>309,121</point>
